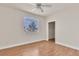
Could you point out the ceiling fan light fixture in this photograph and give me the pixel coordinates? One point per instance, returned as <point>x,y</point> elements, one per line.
<point>41,5</point>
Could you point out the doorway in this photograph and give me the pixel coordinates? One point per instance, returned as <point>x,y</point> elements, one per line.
<point>51,31</point>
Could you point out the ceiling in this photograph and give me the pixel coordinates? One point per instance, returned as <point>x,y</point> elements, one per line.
<point>47,10</point>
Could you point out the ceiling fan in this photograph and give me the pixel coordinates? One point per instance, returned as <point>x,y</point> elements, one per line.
<point>41,6</point>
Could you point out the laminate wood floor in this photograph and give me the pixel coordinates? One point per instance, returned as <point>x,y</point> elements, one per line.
<point>42,48</point>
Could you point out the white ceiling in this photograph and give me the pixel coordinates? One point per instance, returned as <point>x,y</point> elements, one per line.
<point>47,11</point>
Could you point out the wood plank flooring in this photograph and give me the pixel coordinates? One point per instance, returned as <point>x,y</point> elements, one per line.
<point>42,48</point>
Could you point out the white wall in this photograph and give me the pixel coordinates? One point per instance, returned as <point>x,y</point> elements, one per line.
<point>11,28</point>
<point>51,18</point>
<point>67,27</point>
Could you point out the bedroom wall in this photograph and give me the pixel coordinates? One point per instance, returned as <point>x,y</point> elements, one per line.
<point>67,27</point>
<point>11,28</point>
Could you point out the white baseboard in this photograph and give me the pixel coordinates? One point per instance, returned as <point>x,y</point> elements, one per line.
<point>15,45</point>
<point>76,48</point>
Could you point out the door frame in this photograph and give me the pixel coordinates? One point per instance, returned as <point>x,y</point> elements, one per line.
<point>48,27</point>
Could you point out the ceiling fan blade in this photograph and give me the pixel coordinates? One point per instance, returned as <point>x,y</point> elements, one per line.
<point>41,9</point>
<point>42,4</point>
